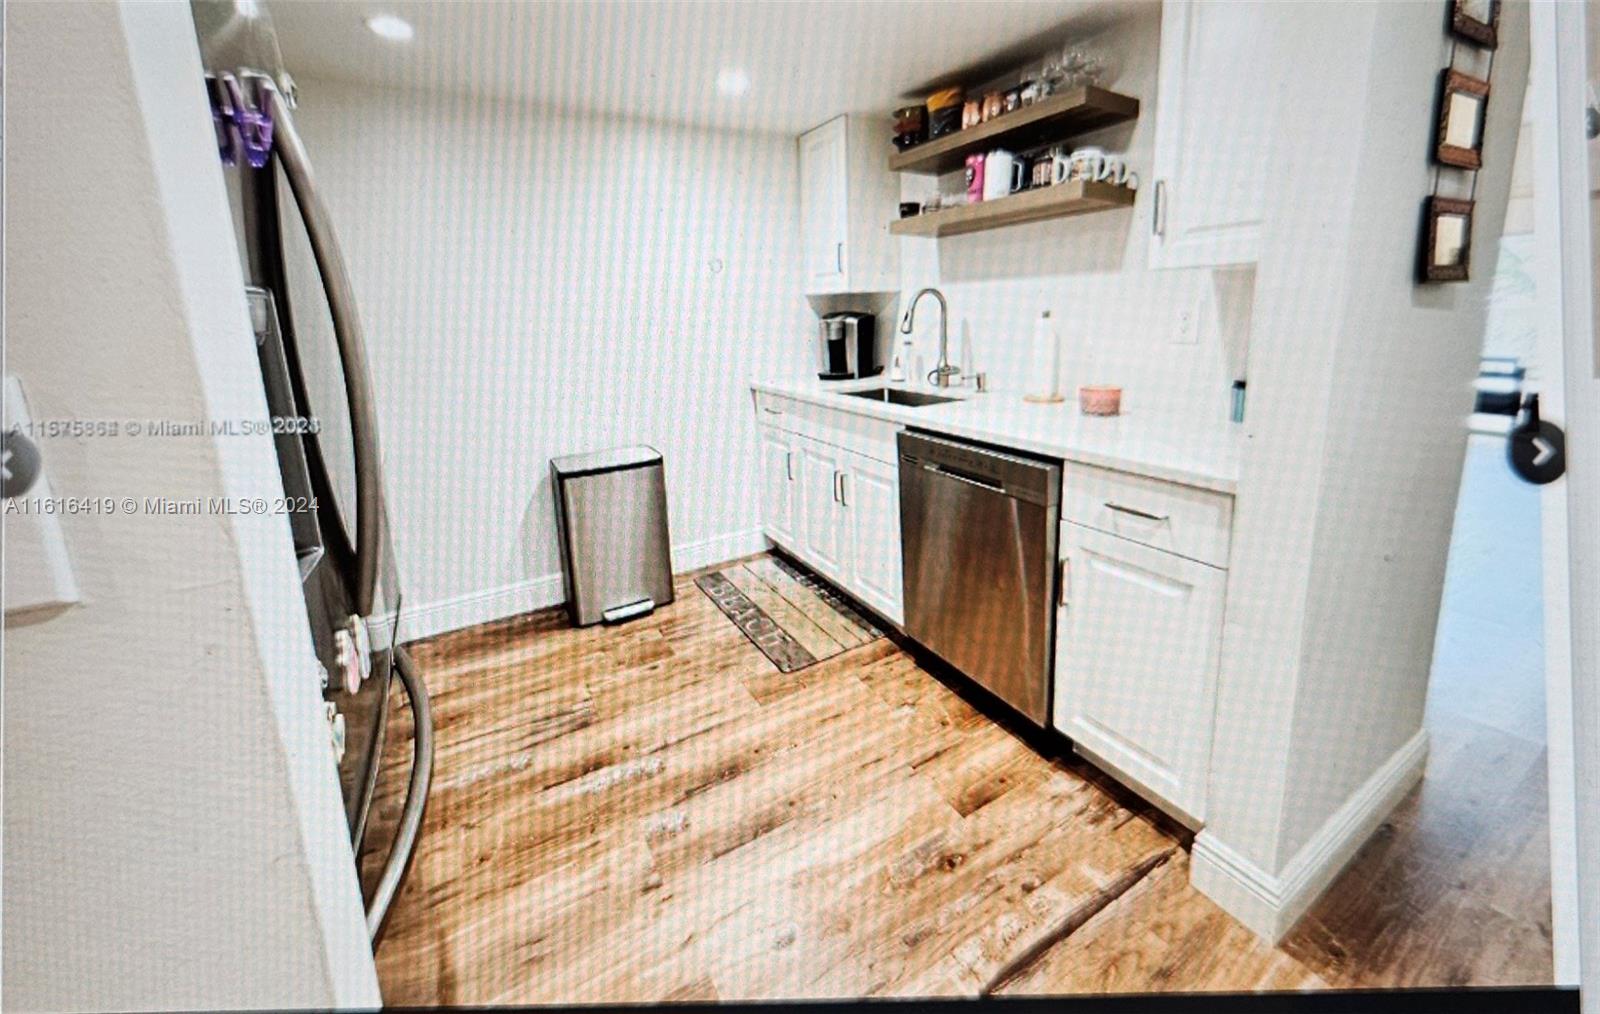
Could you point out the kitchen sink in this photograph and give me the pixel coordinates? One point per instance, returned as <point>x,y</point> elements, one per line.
<point>896,396</point>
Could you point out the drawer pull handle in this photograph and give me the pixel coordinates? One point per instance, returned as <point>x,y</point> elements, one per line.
<point>1063,582</point>
<point>788,465</point>
<point>770,411</point>
<point>1120,509</point>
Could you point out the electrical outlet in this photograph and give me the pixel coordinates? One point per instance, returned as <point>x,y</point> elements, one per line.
<point>1188,332</point>
<point>1192,322</point>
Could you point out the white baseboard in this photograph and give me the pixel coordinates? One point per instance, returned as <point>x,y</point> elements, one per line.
<point>459,611</point>
<point>1270,904</point>
<point>717,549</point>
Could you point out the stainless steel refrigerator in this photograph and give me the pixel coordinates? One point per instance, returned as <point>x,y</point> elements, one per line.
<point>312,357</point>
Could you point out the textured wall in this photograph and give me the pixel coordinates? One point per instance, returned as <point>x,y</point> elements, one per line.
<point>536,284</point>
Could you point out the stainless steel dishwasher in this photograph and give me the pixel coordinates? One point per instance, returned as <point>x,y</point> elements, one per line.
<point>978,528</point>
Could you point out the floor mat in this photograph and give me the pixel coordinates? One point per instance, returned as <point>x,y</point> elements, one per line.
<point>792,616</point>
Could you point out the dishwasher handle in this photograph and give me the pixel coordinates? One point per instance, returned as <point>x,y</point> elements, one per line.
<point>1009,474</point>
<point>971,480</point>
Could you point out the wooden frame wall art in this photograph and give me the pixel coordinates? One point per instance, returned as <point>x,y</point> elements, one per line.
<point>1477,21</point>
<point>1463,106</point>
<point>1446,240</point>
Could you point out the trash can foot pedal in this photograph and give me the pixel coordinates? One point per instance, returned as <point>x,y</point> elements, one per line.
<point>623,613</point>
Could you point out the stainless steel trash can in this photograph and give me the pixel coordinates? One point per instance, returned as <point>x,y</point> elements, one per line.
<point>611,516</point>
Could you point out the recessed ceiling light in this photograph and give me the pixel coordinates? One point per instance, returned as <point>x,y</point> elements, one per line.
<point>248,9</point>
<point>733,82</point>
<point>387,26</point>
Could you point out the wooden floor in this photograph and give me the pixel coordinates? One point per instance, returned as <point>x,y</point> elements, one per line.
<point>654,812</point>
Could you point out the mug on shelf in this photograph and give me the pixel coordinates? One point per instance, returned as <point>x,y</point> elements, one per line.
<point>1001,174</point>
<point>1060,165</point>
<point>1116,171</point>
<point>976,173</point>
<point>1043,171</point>
<point>1087,164</point>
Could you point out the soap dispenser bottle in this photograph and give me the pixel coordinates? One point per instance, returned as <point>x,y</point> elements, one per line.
<point>900,362</point>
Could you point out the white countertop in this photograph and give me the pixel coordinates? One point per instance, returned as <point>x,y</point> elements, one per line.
<point>1206,457</point>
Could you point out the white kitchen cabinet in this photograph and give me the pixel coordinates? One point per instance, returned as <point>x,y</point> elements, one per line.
<point>1213,117</point>
<point>870,493</point>
<point>1138,639</point>
<point>780,486</point>
<point>848,197</point>
<point>830,505</point>
<point>821,522</point>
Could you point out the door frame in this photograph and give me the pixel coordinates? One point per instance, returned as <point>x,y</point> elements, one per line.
<point>1570,507</point>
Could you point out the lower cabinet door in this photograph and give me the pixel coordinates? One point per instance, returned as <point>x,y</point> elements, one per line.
<point>1137,645</point>
<point>871,496</point>
<point>820,529</point>
<point>779,486</point>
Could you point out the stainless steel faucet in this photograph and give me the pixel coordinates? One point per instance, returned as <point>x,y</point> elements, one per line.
<point>945,373</point>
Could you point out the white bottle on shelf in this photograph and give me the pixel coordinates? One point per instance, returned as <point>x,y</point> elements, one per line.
<point>1044,363</point>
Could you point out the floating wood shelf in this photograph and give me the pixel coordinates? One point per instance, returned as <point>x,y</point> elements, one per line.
<point>1059,201</point>
<point>1051,119</point>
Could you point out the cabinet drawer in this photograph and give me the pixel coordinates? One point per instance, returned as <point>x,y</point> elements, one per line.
<point>1190,522</point>
<point>774,410</point>
<point>872,438</point>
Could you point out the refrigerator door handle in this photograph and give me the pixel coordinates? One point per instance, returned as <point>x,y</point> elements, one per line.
<point>347,330</point>
<point>416,805</point>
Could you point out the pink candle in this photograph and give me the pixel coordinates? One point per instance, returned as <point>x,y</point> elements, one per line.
<point>1100,400</point>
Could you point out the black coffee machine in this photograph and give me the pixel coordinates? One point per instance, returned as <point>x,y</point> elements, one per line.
<point>848,346</point>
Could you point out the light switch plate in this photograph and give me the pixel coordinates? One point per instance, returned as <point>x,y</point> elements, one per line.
<point>38,571</point>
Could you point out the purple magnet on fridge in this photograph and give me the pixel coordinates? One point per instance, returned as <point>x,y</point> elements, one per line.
<point>222,121</point>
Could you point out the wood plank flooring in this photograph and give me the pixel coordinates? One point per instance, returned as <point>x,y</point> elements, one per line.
<point>654,812</point>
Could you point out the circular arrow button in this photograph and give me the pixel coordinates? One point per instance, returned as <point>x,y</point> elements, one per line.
<point>1538,453</point>
<point>19,463</point>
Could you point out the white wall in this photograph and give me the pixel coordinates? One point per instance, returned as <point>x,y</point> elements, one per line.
<point>1567,49</point>
<point>1090,272</point>
<point>174,837</point>
<point>1360,385</point>
<point>535,283</point>
<point>1513,328</point>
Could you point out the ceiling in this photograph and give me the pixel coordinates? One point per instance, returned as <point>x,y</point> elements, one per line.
<point>806,61</point>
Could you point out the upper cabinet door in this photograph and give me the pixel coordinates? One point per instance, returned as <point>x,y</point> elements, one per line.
<point>1212,123</point>
<point>825,205</point>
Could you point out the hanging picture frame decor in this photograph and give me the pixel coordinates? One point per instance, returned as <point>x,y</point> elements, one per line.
<point>1446,252</point>
<point>1463,103</point>
<point>1477,21</point>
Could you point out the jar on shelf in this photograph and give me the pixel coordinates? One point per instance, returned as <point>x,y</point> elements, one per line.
<point>944,112</point>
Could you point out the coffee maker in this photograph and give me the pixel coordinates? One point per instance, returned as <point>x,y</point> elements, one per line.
<point>848,346</point>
